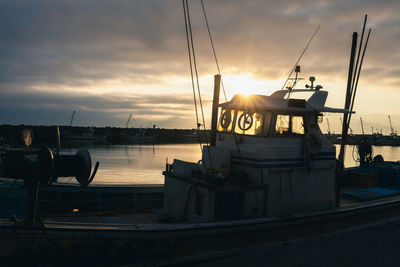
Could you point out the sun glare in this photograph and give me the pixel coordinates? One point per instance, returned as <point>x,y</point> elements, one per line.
<point>246,84</point>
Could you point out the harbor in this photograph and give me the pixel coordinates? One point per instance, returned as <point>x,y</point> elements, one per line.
<point>166,163</point>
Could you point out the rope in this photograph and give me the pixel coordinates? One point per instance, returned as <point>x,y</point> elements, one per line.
<point>191,72</point>
<point>212,45</point>
<point>195,65</point>
<point>234,137</point>
<point>189,27</point>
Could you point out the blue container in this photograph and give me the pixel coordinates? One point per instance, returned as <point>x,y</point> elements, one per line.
<point>386,174</point>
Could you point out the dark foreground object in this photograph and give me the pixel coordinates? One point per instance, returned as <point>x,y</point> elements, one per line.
<point>66,244</point>
<point>375,245</point>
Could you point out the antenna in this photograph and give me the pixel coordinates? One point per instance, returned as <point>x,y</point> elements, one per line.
<point>301,55</point>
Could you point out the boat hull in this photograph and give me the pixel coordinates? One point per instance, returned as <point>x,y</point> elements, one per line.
<point>71,243</point>
<point>64,198</point>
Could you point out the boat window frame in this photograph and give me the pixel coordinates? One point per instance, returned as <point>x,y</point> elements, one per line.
<point>275,114</point>
<point>232,122</point>
<point>262,112</point>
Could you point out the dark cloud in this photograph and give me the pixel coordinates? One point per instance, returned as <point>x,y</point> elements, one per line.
<point>96,110</point>
<point>51,49</point>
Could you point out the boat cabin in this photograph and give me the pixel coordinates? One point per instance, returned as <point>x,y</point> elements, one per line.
<point>269,159</point>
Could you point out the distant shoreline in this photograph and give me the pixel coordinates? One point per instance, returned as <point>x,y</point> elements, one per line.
<point>79,135</point>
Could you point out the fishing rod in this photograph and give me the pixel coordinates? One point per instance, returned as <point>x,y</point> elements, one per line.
<point>301,55</point>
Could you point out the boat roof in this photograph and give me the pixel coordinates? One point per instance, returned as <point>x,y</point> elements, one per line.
<point>278,102</point>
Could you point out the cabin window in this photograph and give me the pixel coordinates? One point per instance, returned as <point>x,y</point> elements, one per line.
<point>289,125</point>
<point>249,123</point>
<point>297,125</point>
<point>225,120</point>
<point>282,124</point>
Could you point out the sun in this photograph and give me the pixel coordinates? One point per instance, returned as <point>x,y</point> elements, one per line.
<point>246,84</point>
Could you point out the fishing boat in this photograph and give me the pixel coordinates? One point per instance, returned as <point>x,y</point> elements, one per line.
<point>70,199</point>
<point>267,175</point>
<point>273,180</point>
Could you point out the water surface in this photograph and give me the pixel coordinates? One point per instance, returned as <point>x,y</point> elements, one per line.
<point>138,164</point>
<point>143,164</point>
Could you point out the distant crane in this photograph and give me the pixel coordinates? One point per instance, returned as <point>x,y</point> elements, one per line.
<point>362,126</point>
<point>129,119</point>
<point>72,118</point>
<point>152,125</point>
<point>392,132</point>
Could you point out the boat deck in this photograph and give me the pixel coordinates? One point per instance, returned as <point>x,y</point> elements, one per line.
<point>156,216</point>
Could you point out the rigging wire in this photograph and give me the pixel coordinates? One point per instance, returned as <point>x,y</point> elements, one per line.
<point>301,55</point>
<point>191,71</point>
<point>195,67</point>
<point>213,48</point>
<point>235,139</point>
<point>190,36</point>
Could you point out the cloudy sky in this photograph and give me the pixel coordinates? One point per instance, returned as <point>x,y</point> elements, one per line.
<point>108,59</point>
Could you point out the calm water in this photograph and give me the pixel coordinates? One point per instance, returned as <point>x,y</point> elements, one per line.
<point>143,164</point>
<point>138,164</point>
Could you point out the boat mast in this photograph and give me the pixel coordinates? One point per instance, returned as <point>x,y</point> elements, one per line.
<point>345,126</point>
<point>352,83</point>
<point>214,114</point>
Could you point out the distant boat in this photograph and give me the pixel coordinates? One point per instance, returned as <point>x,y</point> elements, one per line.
<point>138,137</point>
<point>86,136</point>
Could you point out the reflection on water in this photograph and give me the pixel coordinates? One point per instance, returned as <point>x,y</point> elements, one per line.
<point>138,164</point>
<point>143,164</point>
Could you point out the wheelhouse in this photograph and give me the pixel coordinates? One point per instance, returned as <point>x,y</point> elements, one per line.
<point>266,116</point>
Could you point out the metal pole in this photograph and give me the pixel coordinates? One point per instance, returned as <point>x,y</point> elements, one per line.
<point>214,116</point>
<point>345,126</point>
